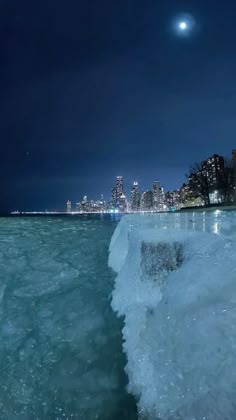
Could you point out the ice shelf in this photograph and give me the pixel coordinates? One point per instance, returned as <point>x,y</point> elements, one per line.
<point>176,288</point>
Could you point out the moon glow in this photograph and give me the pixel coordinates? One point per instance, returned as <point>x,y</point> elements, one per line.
<point>184,25</point>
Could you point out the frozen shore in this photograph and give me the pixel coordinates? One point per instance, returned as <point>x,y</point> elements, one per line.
<point>176,288</point>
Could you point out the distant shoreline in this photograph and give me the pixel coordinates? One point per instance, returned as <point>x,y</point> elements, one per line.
<point>53,214</point>
<point>65,214</point>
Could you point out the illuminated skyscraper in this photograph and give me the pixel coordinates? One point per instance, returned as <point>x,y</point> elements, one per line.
<point>78,206</point>
<point>156,194</point>
<point>68,206</point>
<point>213,169</point>
<point>117,192</point>
<point>162,198</point>
<point>113,197</point>
<point>123,203</point>
<point>85,204</point>
<point>147,200</point>
<point>135,197</point>
<point>119,187</point>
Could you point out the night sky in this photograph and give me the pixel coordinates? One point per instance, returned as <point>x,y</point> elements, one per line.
<point>97,88</point>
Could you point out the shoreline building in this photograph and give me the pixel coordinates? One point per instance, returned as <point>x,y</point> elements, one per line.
<point>135,197</point>
<point>147,201</point>
<point>156,195</point>
<point>68,206</point>
<point>162,199</point>
<point>118,198</point>
<point>85,204</point>
<point>208,180</point>
<point>123,204</point>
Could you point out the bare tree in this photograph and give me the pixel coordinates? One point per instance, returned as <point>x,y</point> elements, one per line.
<point>199,182</point>
<point>202,184</point>
<point>227,181</point>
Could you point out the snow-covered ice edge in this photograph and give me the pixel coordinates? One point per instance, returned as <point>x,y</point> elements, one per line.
<point>176,288</point>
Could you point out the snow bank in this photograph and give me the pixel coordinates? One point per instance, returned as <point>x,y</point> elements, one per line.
<point>176,288</point>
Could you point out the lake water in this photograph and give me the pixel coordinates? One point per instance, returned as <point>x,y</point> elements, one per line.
<point>60,342</point>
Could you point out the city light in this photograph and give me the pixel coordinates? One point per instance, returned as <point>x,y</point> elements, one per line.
<point>212,172</point>
<point>156,199</point>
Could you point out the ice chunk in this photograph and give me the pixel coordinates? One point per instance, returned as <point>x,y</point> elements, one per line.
<point>159,258</point>
<point>176,288</point>
<point>60,343</point>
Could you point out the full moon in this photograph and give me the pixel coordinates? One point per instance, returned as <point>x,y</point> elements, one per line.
<point>184,25</point>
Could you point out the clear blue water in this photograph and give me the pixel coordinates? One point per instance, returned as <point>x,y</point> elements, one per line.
<point>60,342</point>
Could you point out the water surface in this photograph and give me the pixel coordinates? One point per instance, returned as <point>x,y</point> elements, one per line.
<point>60,342</point>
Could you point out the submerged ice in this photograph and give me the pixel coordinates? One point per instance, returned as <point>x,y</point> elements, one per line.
<point>176,289</point>
<point>60,342</point>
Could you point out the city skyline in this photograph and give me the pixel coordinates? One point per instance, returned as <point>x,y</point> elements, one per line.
<point>216,174</point>
<point>132,197</point>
